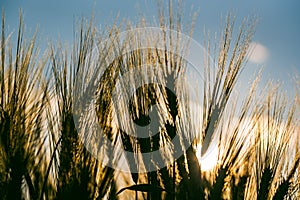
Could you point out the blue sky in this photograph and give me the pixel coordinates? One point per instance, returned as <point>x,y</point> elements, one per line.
<point>278,30</point>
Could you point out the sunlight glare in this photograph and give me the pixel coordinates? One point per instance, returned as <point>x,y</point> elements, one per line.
<point>210,158</point>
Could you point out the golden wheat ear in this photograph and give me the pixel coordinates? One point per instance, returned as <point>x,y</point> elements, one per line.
<point>23,98</point>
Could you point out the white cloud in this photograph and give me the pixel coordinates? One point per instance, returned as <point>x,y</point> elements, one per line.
<point>258,53</point>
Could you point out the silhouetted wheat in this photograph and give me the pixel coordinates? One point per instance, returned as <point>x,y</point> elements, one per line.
<point>43,157</point>
<point>23,94</point>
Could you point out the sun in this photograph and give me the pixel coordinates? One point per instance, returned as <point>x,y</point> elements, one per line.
<point>210,159</point>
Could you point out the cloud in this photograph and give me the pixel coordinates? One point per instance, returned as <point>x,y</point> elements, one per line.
<point>258,53</point>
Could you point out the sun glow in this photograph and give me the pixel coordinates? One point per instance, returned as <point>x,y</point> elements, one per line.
<point>210,159</point>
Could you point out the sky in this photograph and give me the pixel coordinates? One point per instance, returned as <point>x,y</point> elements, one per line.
<point>277,42</point>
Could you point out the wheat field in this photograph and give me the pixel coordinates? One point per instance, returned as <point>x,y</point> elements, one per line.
<point>42,154</point>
